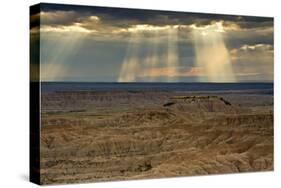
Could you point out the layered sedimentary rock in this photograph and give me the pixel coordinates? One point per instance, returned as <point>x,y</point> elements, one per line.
<point>125,135</point>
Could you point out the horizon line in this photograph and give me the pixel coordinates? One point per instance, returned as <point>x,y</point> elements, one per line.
<point>156,82</point>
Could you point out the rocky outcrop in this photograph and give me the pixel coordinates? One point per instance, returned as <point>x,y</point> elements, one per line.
<point>195,104</point>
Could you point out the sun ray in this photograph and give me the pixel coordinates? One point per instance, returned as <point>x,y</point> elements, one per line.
<point>62,46</point>
<point>172,54</point>
<point>211,53</point>
<point>152,59</point>
<point>130,65</point>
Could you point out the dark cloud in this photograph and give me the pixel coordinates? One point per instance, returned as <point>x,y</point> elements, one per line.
<point>121,17</point>
<point>239,38</point>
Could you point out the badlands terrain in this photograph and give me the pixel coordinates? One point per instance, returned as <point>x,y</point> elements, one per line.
<point>103,135</point>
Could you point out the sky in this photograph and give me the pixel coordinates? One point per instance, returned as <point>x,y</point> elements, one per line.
<point>99,44</point>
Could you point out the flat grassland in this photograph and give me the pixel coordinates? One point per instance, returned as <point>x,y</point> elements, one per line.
<point>101,135</point>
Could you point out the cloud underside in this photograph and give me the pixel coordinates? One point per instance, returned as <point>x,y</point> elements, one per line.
<point>91,34</point>
<point>119,22</point>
